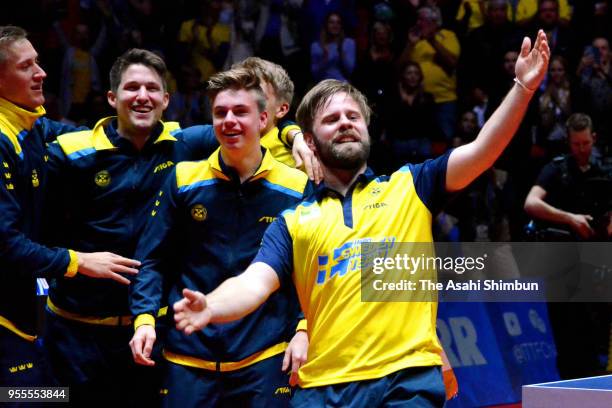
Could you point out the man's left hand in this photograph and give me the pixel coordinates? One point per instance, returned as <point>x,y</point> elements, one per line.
<point>532,63</point>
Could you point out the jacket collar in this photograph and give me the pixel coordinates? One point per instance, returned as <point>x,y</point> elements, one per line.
<point>16,122</point>
<point>321,190</point>
<point>18,116</point>
<point>105,133</point>
<point>217,164</point>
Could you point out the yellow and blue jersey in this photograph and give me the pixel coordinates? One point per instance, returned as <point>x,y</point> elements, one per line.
<point>23,135</point>
<point>206,227</point>
<point>276,142</point>
<point>317,246</point>
<point>103,189</point>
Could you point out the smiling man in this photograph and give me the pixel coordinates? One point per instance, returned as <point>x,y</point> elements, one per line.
<point>103,183</point>
<point>361,354</point>
<point>24,131</point>
<point>207,225</point>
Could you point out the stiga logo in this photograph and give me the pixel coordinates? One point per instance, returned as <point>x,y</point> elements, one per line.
<point>282,390</point>
<point>102,178</point>
<point>267,219</point>
<point>163,166</point>
<point>374,206</point>
<point>198,212</point>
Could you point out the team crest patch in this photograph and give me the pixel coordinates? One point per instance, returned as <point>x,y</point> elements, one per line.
<point>198,212</point>
<point>375,190</point>
<point>102,178</point>
<point>35,181</point>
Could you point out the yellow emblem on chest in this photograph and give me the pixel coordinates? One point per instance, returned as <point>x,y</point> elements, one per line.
<point>198,212</point>
<point>102,178</point>
<point>35,181</point>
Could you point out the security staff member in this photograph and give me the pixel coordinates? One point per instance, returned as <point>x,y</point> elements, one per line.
<point>573,193</point>
<point>566,194</point>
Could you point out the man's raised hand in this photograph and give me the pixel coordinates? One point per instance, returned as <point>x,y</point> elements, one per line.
<point>532,63</point>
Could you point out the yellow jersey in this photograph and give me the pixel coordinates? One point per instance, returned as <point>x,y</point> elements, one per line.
<point>317,246</point>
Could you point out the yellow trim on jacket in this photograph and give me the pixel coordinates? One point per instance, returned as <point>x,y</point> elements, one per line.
<point>221,366</point>
<point>102,321</point>
<point>7,324</point>
<point>97,139</point>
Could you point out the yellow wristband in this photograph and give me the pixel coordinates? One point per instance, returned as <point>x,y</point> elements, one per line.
<point>284,134</point>
<point>302,325</point>
<point>143,319</point>
<point>73,265</point>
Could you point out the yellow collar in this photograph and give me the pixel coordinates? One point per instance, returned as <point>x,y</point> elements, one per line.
<point>102,142</point>
<point>14,120</point>
<point>267,164</point>
<point>19,116</point>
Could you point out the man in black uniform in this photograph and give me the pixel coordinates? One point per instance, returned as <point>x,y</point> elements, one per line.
<point>568,192</point>
<point>572,193</point>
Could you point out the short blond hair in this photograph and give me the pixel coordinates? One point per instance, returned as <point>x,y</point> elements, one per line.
<point>273,74</point>
<point>236,79</point>
<point>9,35</point>
<point>317,98</point>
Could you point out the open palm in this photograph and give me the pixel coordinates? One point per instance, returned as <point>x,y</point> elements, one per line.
<point>532,63</point>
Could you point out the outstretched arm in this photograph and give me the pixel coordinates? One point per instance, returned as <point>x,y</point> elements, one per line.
<point>469,161</point>
<point>233,299</point>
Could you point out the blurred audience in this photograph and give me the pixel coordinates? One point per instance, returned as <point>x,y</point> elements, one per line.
<point>334,55</point>
<point>204,40</point>
<point>484,48</point>
<point>554,107</point>
<point>437,51</point>
<point>375,71</point>
<point>409,118</point>
<point>80,74</point>
<point>186,104</point>
<point>595,89</point>
<point>418,61</point>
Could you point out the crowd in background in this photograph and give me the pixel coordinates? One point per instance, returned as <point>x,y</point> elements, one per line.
<point>433,71</point>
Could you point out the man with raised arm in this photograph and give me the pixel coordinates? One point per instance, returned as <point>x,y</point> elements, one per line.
<point>374,353</point>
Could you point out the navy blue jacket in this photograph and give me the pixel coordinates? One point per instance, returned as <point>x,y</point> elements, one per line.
<point>104,189</point>
<point>206,227</point>
<point>23,135</point>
